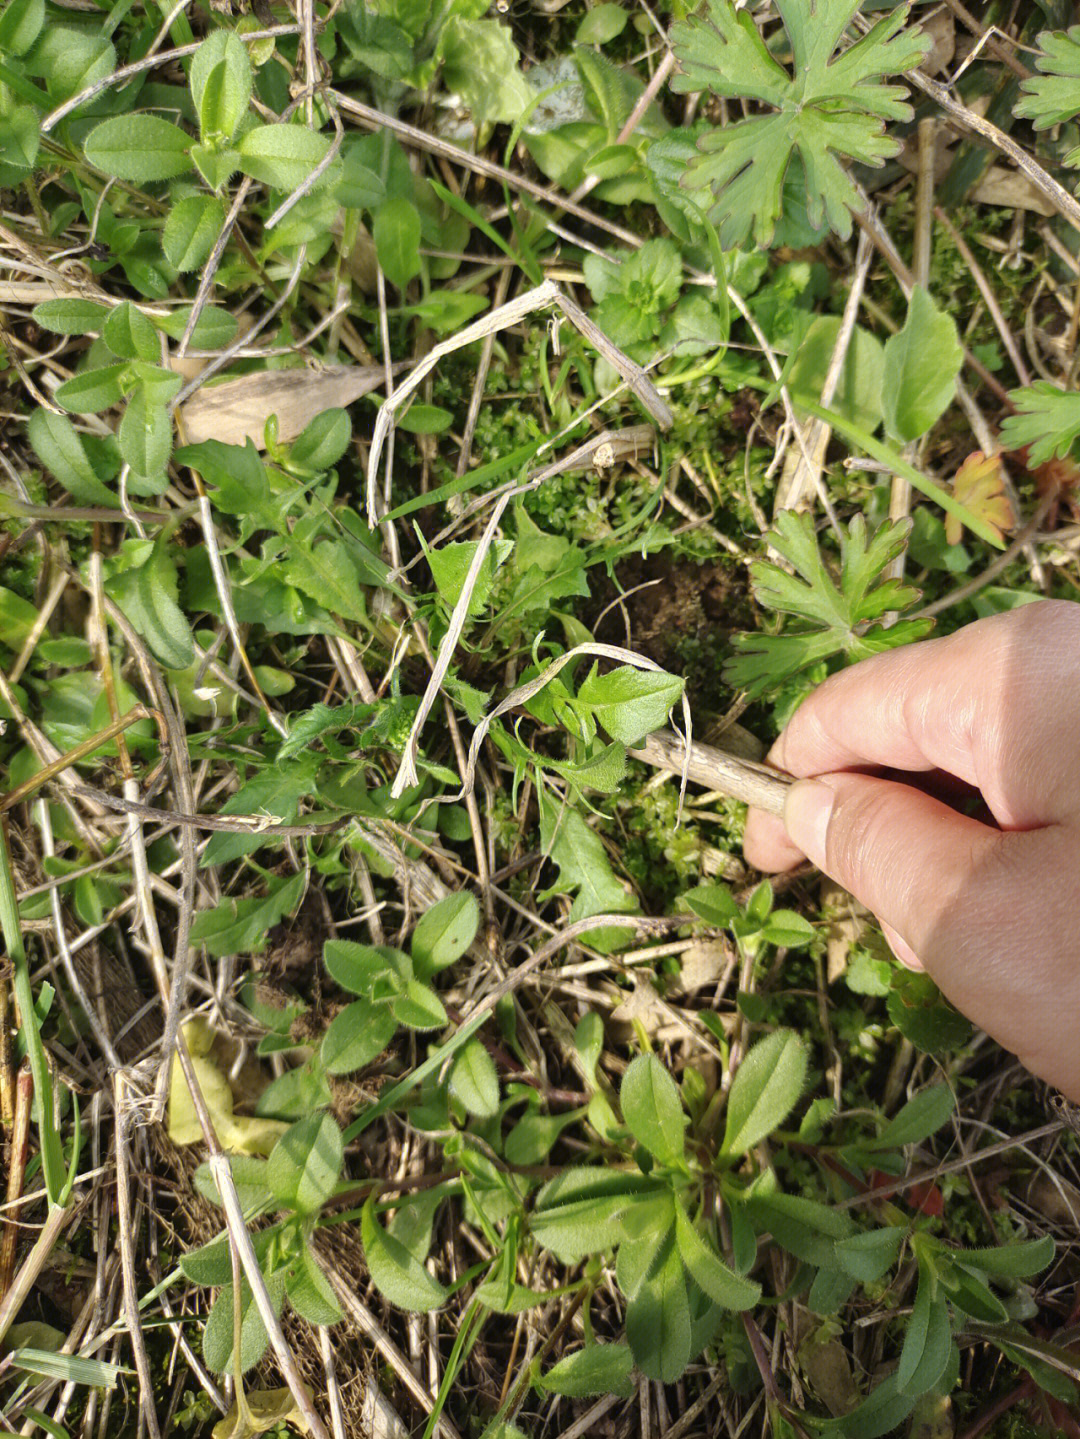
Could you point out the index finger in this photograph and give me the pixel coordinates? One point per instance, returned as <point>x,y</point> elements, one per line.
<point>995,704</point>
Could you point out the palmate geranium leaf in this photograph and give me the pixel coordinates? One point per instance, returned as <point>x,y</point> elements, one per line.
<point>1053,97</point>
<point>829,105</point>
<point>832,617</point>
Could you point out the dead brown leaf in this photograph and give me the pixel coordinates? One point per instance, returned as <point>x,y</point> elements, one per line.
<point>237,409</point>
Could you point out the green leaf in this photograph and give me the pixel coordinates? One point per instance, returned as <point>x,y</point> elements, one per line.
<point>356,967</point>
<point>922,363</point>
<point>629,702</point>
<point>192,226</point>
<point>920,1117</point>
<point>1047,422</point>
<point>249,1176</point>
<point>130,335</point>
<point>785,927</point>
<point>766,1088</point>
<point>926,1344</point>
<point>146,437</point>
<point>396,232</point>
<point>599,1369</point>
<point>20,25</point>
<point>658,1321</point>
<point>652,1108</point>
<point>141,148</point>
<point>71,317</point>
<point>713,903</point>
<point>20,136</point>
<point>803,1227</point>
<point>577,1213</point>
<point>356,1036</point>
<point>450,565</point>
<point>584,866</point>
<point>709,1272</point>
<point>218,1334</point>
<point>274,792</point>
<point>418,1007</point>
<point>1018,1260</point>
<point>59,447</point>
<point>1053,97</point>
<point>861,385</point>
<point>217,167</point>
<point>220,79</point>
<point>240,926</point>
<point>305,1164</point>
<point>296,1093</point>
<point>868,1255</point>
<point>91,391</point>
<point>148,595</point>
<point>397,1275</point>
<point>326,572</point>
<point>282,156</point>
<point>323,441</point>
<point>833,104</point>
<point>602,23</point>
<point>444,933</point>
<point>832,617</point>
<point>474,1081</point>
<point>310,1292</point>
<point>483,66</point>
<point>922,1014</point>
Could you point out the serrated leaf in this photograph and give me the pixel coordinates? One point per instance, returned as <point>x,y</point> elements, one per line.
<point>240,926</point>
<point>326,573</point>
<point>397,1275</point>
<point>629,702</point>
<point>652,1108</point>
<point>1046,422</point>
<point>598,1369</point>
<point>766,1087</point>
<point>281,155</point>
<point>141,148</point>
<point>192,226</point>
<point>148,596</point>
<point>830,617</point>
<point>305,1164</point>
<point>979,485</point>
<point>584,866</point>
<point>474,1081</point>
<point>444,933</point>
<point>1053,96</point>
<point>922,363</point>
<point>832,105</point>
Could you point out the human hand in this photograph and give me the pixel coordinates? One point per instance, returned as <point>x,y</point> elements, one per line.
<point>992,914</point>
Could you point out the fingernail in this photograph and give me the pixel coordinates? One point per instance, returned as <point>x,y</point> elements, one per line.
<point>806,817</point>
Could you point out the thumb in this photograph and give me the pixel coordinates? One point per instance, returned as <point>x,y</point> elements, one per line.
<point>990,913</point>
<point>905,855</point>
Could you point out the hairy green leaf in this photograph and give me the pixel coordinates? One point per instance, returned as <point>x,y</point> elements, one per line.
<point>305,1163</point>
<point>651,1105</point>
<point>766,1087</point>
<point>141,148</point>
<point>474,1080</point>
<point>397,1275</point>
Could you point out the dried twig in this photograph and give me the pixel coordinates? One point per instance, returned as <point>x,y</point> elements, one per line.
<point>741,779</point>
